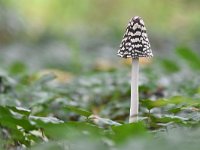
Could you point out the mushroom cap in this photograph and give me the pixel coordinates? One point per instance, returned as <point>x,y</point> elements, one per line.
<point>135,42</point>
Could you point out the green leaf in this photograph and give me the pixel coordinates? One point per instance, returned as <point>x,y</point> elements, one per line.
<point>69,130</point>
<point>192,58</point>
<point>170,118</point>
<point>175,110</point>
<point>79,111</point>
<point>169,66</point>
<point>12,119</point>
<point>17,68</point>
<point>149,104</point>
<point>20,110</point>
<point>126,131</point>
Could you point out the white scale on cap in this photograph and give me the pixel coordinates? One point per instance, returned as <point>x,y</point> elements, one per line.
<point>135,42</point>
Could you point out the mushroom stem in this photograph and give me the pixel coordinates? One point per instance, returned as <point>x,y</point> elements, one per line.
<point>134,91</point>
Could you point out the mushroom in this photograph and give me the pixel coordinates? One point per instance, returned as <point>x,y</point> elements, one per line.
<point>135,44</point>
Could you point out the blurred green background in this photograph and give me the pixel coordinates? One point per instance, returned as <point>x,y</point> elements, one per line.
<point>76,34</point>
<point>60,77</point>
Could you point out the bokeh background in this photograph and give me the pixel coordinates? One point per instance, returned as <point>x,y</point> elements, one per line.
<point>80,35</point>
<point>62,83</point>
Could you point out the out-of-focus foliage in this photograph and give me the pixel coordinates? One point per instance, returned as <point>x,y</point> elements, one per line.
<point>92,110</point>
<point>89,12</point>
<point>62,86</point>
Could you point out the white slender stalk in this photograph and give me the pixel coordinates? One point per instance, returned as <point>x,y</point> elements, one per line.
<point>134,91</point>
